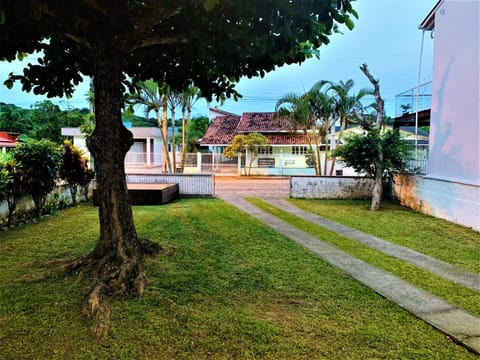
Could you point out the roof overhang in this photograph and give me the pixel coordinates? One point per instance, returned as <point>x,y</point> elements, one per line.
<point>410,119</point>
<point>428,24</point>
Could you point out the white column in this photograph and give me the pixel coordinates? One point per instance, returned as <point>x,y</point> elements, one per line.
<point>148,151</point>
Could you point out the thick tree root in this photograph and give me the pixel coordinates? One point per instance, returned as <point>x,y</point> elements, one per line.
<point>115,278</point>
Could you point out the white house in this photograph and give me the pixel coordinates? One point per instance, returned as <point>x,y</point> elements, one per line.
<point>451,187</point>
<point>145,155</point>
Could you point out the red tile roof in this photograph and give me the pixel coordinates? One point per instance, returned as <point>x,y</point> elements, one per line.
<point>277,130</point>
<point>221,131</point>
<point>263,122</point>
<point>286,139</point>
<point>8,139</point>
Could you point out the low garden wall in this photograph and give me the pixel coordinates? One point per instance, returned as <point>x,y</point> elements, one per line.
<point>188,185</point>
<point>59,198</point>
<point>330,187</point>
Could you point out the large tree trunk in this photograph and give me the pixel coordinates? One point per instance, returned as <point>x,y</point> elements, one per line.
<point>379,166</point>
<point>117,257</point>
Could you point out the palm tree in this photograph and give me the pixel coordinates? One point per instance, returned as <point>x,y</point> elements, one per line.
<point>189,97</point>
<point>297,109</point>
<point>173,100</point>
<point>346,105</point>
<point>323,109</point>
<point>151,95</point>
<point>312,113</point>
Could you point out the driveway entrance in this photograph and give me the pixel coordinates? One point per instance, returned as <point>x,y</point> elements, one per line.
<point>243,186</point>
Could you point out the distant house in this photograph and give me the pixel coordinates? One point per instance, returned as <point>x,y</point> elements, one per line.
<point>287,154</point>
<point>145,155</point>
<point>8,140</point>
<point>450,188</point>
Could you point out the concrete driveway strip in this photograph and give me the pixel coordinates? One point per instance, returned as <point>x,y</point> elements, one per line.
<point>459,324</point>
<point>437,267</point>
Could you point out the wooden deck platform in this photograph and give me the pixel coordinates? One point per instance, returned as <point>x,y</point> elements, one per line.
<point>152,194</point>
<point>149,194</point>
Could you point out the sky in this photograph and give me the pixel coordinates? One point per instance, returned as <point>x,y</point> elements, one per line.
<point>386,37</point>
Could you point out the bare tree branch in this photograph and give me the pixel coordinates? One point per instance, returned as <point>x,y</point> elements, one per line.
<point>376,93</point>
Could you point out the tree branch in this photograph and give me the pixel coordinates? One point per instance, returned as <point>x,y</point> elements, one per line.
<point>94,4</point>
<point>152,41</point>
<point>376,93</point>
<point>79,40</point>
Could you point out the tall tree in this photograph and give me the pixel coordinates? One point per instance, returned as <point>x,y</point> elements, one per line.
<point>376,152</point>
<point>190,96</point>
<point>344,104</point>
<point>150,95</point>
<point>379,160</point>
<point>174,100</point>
<point>310,112</point>
<point>116,40</point>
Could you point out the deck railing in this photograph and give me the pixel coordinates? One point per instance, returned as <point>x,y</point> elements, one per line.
<point>417,160</point>
<point>406,101</point>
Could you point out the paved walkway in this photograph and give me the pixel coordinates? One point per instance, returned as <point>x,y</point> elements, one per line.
<point>459,324</point>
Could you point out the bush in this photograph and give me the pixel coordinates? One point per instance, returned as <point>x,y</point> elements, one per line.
<point>38,161</point>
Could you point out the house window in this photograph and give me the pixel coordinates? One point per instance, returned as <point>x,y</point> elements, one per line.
<point>266,150</point>
<point>299,150</point>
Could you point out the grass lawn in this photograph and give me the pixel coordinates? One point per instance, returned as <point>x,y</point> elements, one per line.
<point>435,237</point>
<point>228,287</point>
<point>446,289</point>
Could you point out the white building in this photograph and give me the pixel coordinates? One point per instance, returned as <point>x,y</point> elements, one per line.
<point>451,187</point>
<point>144,155</point>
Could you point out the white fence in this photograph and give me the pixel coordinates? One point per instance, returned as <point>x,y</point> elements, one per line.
<point>188,185</point>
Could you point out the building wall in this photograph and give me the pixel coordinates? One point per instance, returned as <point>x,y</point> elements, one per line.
<point>451,188</point>
<point>455,202</point>
<point>455,117</point>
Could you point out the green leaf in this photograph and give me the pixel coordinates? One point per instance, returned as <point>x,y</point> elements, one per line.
<point>8,83</point>
<point>349,23</point>
<point>209,5</point>
<point>21,56</point>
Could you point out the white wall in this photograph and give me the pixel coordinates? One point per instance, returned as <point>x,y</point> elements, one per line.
<point>330,187</point>
<point>455,129</point>
<point>455,202</point>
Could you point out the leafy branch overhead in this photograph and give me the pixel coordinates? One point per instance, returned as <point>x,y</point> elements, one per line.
<point>222,42</point>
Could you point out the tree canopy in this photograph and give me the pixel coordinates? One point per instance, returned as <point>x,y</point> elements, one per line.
<point>208,43</point>
<point>211,42</point>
